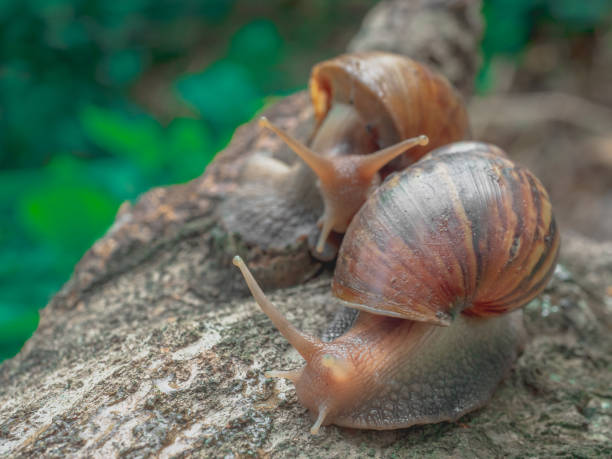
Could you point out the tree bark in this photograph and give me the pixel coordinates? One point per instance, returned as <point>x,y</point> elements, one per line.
<point>154,347</point>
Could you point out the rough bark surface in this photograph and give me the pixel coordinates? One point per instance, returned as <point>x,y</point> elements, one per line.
<point>155,348</point>
<point>442,33</point>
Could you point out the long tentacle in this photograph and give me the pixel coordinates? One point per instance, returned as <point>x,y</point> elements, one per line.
<point>305,344</point>
<point>372,163</point>
<point>319,164</point>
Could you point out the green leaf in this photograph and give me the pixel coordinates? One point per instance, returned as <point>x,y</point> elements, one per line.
<point>14,181</point>
<point>67,216</point>
<point>484,78</point>
<point>138,138</point>
<point>224,94</point>
<point>121,179</point>
<point>506,33</point>
<point>190,148</point>
<point>580,14</point>
<point>123,66</point>
<point>257,45</point>
<point>15,321</point>
<point>16,326</point>
<point>6,8</point>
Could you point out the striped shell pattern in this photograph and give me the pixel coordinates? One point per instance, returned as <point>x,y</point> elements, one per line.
<point>398,97</point>
<point>463,230</point>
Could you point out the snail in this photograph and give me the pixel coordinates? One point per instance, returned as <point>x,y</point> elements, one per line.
<point>369,109</point>
<point>438,262</point>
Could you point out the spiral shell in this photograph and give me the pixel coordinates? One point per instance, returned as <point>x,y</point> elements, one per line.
<point>398,97</point>
<point>463,230</point>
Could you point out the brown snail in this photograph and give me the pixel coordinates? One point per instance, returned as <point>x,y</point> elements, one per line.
<point>369,108</point>
<point>436,260</point>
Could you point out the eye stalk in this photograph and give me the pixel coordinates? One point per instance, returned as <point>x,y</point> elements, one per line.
<point>306,345</point>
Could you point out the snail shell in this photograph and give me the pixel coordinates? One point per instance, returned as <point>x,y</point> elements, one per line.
<point>397,97</point>
<point>465,229</point>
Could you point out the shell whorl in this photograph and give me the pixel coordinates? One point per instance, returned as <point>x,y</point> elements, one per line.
<point>464,229</point>
<point>398,97</point>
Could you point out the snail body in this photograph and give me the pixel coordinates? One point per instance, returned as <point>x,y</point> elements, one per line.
<point>436,261</point>
<point>388,373</point>
<point>374,113</point>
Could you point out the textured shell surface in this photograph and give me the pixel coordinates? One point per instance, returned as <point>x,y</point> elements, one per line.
<point>464,229</point>
<point>398,97</point>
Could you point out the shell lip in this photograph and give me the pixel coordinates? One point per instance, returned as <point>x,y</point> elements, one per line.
<point>378,305</point>
<point>330,75</point>
<point>434,318</point>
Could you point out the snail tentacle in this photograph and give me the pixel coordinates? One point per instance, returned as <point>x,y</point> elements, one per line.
<point>323,410</point>
<point>368,165</point>
<point>320,165</point>
<point>306,345</point>
<point>291,375</point>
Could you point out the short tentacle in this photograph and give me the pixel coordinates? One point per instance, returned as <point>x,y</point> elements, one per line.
<point>328,226</point>
<point>323,411</point>
<point>291,375</point>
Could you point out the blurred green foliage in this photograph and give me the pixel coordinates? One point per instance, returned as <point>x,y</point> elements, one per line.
<point>84,125</point>
<point>511,23</point>
<point>82,129</point>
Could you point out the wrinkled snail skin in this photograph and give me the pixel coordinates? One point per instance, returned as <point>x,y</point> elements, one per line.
<point>436,260</point>
<point>409,372</point>
<point>389,373</point>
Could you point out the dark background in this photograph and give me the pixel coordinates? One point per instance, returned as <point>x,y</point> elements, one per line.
<point>101,100</point>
